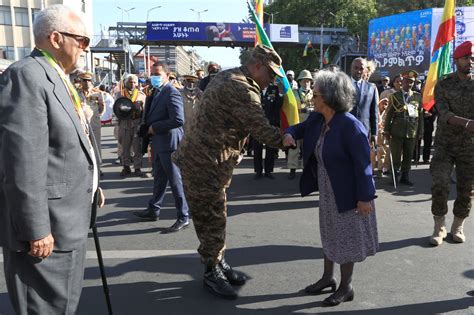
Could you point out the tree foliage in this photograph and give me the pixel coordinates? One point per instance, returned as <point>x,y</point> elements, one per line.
<point>354,14</point>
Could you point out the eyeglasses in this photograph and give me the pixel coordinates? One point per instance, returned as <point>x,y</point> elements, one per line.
<point>83,41</point>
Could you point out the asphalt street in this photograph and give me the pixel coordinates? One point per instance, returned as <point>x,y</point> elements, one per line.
<point>273,237</point>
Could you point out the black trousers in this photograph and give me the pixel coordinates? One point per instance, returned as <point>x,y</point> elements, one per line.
<point>270,154</point>
<point>427,140</point>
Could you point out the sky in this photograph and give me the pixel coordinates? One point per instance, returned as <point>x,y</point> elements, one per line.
<point>107,14</point>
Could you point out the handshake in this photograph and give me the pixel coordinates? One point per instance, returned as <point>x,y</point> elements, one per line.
<point>289,141</point>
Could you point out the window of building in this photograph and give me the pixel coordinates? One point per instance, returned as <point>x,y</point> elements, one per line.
<point>5,15</point>
<point>34,13</point>
<point>23,52</point>
<point>21,17</point>
<point>7,52</point>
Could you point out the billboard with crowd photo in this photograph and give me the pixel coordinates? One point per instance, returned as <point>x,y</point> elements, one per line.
<point>405,41</point>
<point>401,42</point>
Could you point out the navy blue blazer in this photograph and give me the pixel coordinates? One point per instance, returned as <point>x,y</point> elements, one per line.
<point>346,156</point>
<point>166,116</point>
<point>366,107</point>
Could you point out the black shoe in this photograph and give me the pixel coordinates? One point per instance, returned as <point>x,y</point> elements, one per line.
<point>269,175</point>
<point>405,179</point>
<point>217,283</point>
<point>147,214</point>
<point>178,226</point>
<point>138,172</point>
<point>318,287</point>
<point>234,277</point>
<point>339,297</point>
<point>292,174</point>
<point>125,171</point>
<point>257,176</point>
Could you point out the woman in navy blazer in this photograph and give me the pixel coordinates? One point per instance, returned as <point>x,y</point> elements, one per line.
<point>336,157</point>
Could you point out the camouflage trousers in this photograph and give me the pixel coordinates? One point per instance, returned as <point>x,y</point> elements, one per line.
<point>461,155</point>
<point>207,201</point>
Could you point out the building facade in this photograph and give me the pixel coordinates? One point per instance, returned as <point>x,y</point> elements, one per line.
<point>180,60</point>
<point>16,23</point>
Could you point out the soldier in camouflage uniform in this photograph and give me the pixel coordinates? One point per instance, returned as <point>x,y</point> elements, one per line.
<point>454,145</point>
<point>404,125</point>
<point>229,111</point>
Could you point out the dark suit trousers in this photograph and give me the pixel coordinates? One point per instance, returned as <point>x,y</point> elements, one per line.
<point>44,286</point>
<point>164,171</point>
<point>258,158</point>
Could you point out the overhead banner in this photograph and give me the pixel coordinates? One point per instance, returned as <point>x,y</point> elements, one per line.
<point>287,33</point>
<point>209,32</point>
<point>400,42</point>
<point>405,41</point>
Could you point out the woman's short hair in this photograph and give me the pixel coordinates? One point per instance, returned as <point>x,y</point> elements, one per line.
<point>336,88</point>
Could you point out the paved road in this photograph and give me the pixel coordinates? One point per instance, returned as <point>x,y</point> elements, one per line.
<point>273,237</point>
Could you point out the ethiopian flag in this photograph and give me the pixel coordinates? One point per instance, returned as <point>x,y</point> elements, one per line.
<point>289,111</point>
<point>308,46</point>
<point>259,14</point>
<point>442,51</point>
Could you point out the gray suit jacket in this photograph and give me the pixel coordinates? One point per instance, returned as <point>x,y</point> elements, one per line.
<point>366,107</point>
<point>46,168</point>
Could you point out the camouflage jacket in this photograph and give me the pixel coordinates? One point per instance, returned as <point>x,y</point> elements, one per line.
<point>404,117</point>
<point>230,110</point>
<point>453,97</point>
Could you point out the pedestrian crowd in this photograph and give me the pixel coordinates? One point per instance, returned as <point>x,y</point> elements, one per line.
<point>194,130</point>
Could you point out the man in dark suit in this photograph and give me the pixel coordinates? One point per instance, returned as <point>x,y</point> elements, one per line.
<point>48,170</point>
<point>165,120</point>
<point>366,100</point>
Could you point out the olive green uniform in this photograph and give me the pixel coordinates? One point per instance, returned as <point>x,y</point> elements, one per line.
<point>404,123</point>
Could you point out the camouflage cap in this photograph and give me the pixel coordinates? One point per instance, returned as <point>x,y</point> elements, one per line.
<point>410,74</point>
<point>269,57</point>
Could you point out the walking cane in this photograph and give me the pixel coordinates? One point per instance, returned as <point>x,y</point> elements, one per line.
<point>99,255</point>
<point>393,171</point>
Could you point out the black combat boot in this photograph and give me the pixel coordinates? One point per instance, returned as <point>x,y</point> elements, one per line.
<point>234,277</point>
<point>405,180</point>
<point>217,283</point>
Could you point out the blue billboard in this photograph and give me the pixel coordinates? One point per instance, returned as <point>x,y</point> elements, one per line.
<point>209,32</point>
<point>401,42</point>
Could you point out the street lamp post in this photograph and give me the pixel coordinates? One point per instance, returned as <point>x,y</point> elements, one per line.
<point>149,10</point>
<point>342,19</point>
<point>147,52</point>
<point>199,13</point>
<point>125,11</point>
<point>271,15</point>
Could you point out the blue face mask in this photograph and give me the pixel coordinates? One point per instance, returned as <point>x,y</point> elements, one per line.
<point>156,81</point>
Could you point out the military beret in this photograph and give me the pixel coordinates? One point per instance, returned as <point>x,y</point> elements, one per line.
<point>269,57</point>
<point>465,49</point>
<point>410,74</point>
<point>86,76</point>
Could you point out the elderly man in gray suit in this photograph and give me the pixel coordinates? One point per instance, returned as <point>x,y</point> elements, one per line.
<point>48,170</point>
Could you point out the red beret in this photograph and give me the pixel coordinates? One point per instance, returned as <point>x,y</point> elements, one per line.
<point>465,49</point>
